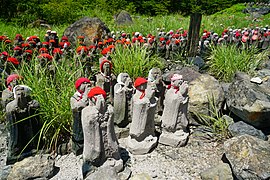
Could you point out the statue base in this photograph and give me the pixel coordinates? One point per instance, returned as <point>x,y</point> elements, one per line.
<point>143,147</point>
<point>177,139</point>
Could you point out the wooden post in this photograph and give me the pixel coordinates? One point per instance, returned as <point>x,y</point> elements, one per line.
<point>193,34</point>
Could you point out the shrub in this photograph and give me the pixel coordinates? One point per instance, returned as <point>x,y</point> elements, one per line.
<point>135,61</point>
<point>226,60</point>
<point>53,94</point>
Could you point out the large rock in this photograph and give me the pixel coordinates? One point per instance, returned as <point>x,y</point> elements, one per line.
<point>241,128</point>
<point>40,166</point>
<point>249,157</point>
<point>123,18</point>
<point>250,101</point>
<point>220,172</point>
<point>103,173</point>
<point>203,92</point>
<point>87,27</point>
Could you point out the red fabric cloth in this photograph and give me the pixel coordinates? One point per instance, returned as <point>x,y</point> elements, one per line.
<point>13,77</point>
<point>139,81</point>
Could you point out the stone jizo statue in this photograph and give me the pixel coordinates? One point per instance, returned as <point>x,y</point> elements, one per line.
<point>174,118</point>
<point>142,129</point>
<point>77,102</point>
<point>100,142</point>
<point>106,79</point>
<point>24,125</point>
<point>123,91</point>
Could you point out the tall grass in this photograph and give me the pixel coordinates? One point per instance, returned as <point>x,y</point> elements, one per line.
<point>53,94</point>
<point>227,59</point>
<point>135,61</point>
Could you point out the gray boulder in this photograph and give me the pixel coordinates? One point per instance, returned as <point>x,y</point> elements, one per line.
<point>249,157</point>
<point>123,18</point>
<point>87,27</point>
<point>39,166</point>
<point>104,173</point>
<point>203,91</point>
<point>241,128</point>
<point>220,172</point>
<point>249,101</point>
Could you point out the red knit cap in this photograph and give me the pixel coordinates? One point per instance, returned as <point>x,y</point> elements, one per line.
<point>96,91</point>
<point>45,50</point>
<point>45,55</point>
<point>102,63</point>
<point>5,53</point>
<point>57,50</point>
<point>13,60</point>
<point>78,50</point>
<point>64,38</point>
<point>17,48</point>
<point>29,51</point>
<point>139,81</point>
<point>13,77</point>
<point>80,81</point>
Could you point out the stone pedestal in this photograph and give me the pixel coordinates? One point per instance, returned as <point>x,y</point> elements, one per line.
<point>142,147</point>
<point>177,139</point>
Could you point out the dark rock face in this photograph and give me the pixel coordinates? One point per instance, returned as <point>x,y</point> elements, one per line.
<point>241,128</point>
<point>250,101</point>
<point>123,18</point>
<point>87,27</point>
<point>249,157</point>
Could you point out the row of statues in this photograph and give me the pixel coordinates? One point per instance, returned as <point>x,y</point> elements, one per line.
<point>136,104</point>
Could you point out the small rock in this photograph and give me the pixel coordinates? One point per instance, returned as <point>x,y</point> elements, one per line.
<point>142,176</point>
<point>220,172</point>
<point>256,80</point>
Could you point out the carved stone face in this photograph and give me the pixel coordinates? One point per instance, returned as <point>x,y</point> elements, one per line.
<point>156,73</point>
<point>177,82</point>
<point>106,68</point>
<point>13,83</point>
<point>143,86</point>
<point>100,103</point>
<point>125,76</point>
<point>19,92</point>
<point>84,86</point>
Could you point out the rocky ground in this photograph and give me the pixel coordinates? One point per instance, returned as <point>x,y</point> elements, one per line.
<point>163,162</point>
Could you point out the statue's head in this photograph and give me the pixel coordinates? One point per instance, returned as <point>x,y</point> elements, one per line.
<point>106,67</point>
<point>21,92</point>
<point>154,74</point>
<point>82,84</point>
<point>124,79</point>
<point>140,83</point>
<point>177,80</point>
<point>97,97</point>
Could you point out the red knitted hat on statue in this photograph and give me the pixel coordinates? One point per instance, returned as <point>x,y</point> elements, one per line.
<point>96,91</point>
<point>80,81</point>
<point>13,77</point>
<point>139,81</point>
<point>102,63</point>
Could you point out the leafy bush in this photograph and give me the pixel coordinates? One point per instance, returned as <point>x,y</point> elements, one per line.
<point>53,94</point>
<point>226,60</point>
<point>135,61</point>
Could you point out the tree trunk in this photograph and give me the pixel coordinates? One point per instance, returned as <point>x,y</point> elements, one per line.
<point>194,34</point>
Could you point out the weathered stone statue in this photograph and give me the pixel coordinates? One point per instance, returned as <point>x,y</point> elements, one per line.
<point>155,79</point>
<point>123,91</point>
<point>174,117</point>
<point>105,79</point>
<point>77,102</point>
<point>7,94</point>
<point>24,125</point>
<point>142,129</point>
<point>100,142</point>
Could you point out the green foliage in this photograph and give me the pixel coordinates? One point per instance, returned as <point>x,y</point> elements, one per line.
<point>56,12</point>
<point>226,60</point>
<point>214,120</point>
<point>135,61</point>
<point>54,98</point>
